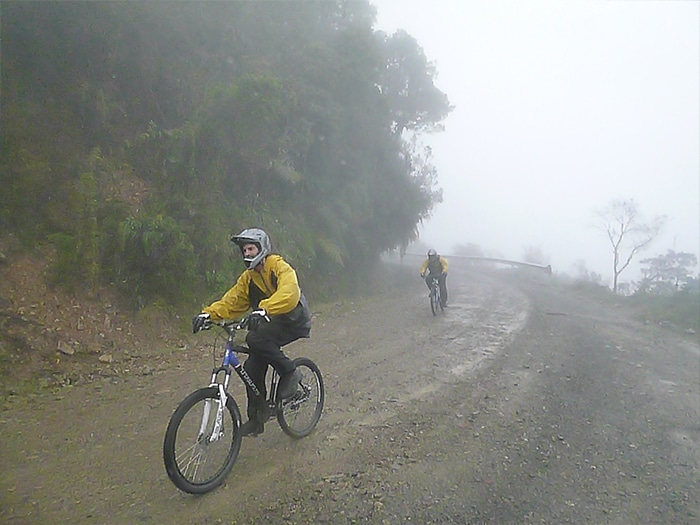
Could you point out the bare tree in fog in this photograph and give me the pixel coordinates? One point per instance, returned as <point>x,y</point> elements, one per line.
<point>627,233</point>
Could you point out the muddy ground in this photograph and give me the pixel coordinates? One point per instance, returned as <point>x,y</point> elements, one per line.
<point>524,402</point>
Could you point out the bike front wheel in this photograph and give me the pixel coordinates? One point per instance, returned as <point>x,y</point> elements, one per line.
<point>434,301</point>
<point>299,414</point>
<point>202,441</point>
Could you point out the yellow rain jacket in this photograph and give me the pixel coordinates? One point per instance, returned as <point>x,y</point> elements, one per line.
<point>275,288</point>
<point>436,267</point>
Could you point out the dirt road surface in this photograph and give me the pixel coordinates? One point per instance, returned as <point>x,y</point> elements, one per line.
<point>523,403</point>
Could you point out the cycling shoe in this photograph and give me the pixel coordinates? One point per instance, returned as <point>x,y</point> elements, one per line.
<point>288,384</point>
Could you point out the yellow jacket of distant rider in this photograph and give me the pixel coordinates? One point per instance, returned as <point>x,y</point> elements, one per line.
<point>436,268</point>
<point>275,288</point>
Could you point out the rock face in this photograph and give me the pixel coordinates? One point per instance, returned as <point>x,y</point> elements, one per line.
<point>68,338</point>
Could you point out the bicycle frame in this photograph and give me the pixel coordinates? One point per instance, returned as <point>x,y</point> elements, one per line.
<point>435,299</point>
<point>230,360</point>
<point>202,440</point>
<point>435,289</point>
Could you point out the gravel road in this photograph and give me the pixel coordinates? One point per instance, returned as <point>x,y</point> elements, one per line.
<point>523,403</point>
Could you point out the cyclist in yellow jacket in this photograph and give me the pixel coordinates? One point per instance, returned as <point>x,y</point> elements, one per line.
<point>280,315</point>
<point>435,266</point>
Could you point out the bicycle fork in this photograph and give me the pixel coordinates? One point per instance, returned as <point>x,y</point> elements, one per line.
<point>217,430</point>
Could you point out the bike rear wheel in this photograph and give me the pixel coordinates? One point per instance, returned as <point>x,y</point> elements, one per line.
<point>199,453</point>
<point>299,414</point>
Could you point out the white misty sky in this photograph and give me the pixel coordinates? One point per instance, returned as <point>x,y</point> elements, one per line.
<point>561,107</point>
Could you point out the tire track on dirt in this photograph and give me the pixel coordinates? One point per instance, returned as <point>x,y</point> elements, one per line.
<point>381,357</point>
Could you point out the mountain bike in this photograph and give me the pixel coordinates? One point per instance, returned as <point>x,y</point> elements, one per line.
<point>203,438</point>
<point>435,299</point>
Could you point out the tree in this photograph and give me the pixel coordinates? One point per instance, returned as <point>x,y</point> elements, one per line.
<point>407,82</point>
<point>535,255</point>
<point>166,125</point>
<point>627,232</point>
<point>583,274</point>
<point>468,250</point>
<point>667,273</point>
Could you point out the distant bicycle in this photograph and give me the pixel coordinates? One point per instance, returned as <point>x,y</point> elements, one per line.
<point>203,438</point>
<point>436,304</point>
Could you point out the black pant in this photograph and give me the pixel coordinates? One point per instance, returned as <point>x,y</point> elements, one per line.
<point>265,349</point>
<point>442,282</point>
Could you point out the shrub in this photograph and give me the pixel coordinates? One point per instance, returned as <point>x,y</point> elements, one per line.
<point>155,260</point>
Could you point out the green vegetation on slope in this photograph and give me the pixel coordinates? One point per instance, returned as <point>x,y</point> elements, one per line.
<point>138,135</point>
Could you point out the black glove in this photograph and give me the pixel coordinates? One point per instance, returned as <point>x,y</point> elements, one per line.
<point>201,322</point>
<point>256,317</point>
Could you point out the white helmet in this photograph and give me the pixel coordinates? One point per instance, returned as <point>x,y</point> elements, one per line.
<point>253,236</point>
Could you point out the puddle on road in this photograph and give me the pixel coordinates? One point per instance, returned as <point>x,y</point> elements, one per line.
<point>482,323</point>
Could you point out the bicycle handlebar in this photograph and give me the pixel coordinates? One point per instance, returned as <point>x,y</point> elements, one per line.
<point>231,326</point>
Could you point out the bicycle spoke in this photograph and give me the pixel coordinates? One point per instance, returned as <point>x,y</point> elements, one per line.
<point>191,466</point>
<point>197,458</point>
<point>299,415</point>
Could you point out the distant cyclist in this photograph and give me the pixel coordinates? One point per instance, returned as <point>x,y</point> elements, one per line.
<point>435,266</point>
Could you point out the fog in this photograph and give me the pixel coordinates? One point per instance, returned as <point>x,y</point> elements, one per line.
<point>560,108</point>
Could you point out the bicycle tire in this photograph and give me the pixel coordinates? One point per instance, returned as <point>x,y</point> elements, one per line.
<point>299,414</point>
<point>433,301</point>
<point>189,455</point>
